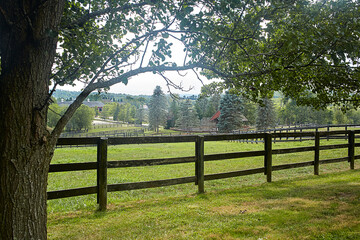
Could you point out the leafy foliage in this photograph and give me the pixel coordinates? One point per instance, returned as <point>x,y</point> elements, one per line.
<point>291,113</point>
<point>82,118</point>
<point>54,114</point>
<point>108,110</point>
<point>127,113</point>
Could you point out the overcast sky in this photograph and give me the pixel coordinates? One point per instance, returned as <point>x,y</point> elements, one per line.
<point>145,84</point>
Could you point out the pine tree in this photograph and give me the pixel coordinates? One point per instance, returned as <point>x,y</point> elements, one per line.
<point>231,117</point>
<point>213,105</point>
<point>157,109</point>
<point>188,118</point>
<point>250,111</point>
<point>201,105</point>
<point>140,115</point>
<point>173,114</point>
<point>266,115</point>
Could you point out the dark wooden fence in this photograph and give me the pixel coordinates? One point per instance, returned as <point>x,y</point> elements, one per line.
<point>114,133</point>
<point>199,158</point>
<point>300,128</point>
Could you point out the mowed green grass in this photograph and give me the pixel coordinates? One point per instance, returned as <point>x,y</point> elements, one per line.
<point>311,207</point>
<point>297,205</point>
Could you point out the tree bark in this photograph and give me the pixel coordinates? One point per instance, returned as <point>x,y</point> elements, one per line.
<point>27,49</point>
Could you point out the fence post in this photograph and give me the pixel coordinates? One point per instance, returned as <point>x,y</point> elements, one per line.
<point>102,173</point>
<point>317,153</point>
<point>268,156</point>
<point>328,130</point>
<point>199,164</point>
<point>351,150</point>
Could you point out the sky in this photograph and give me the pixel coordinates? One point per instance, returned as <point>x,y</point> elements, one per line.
<point>144,84</point>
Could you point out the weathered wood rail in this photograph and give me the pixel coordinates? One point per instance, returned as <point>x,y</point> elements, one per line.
<point>199,158</point>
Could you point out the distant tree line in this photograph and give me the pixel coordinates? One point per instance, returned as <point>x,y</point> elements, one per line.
<point>236,112</point>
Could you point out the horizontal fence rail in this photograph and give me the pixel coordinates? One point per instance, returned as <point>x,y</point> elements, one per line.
<point>199,158</point>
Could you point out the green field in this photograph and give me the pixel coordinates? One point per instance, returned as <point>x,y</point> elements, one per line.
<point>223,212</point>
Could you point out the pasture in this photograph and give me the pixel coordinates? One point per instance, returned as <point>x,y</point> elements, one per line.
<point>224,211</point>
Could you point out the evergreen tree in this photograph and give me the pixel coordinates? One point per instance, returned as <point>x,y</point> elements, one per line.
<point>157,109</point>
<point>231,109</point>
<point>188,118</point>
<point>266,116</point>
<point>173,114</point>
<point>201,105</point>
<point>250,111</point>
<point>140,115</point>
<point>213,105</point>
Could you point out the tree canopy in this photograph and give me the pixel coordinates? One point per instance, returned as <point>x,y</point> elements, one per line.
<point>309,50</point>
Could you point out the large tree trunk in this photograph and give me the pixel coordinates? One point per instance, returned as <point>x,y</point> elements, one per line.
<point>27,47</point>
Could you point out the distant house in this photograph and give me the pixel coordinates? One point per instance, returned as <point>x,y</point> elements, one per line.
<point>215,117</point>
<point>93,104</point>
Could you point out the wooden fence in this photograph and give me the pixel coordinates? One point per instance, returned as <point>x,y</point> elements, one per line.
<point>301,128</point>
<point>199,158</point>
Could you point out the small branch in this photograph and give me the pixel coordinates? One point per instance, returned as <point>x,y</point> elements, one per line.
<point>182,75</point>
<point>198,77</point>
<point>55,112</point>
<point>143,56</point>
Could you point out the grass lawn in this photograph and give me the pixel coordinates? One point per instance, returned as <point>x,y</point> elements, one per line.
<point>297,205</point>
<point>309,207</point>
